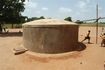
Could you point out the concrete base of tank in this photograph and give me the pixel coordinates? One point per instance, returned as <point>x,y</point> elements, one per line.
<point>44,57</point>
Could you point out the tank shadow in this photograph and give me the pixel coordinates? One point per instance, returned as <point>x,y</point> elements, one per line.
<point>80,47</point>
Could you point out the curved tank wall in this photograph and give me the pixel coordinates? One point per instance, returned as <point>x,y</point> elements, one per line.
<point>50,36</point>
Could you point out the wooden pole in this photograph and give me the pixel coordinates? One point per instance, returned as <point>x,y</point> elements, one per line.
<point>97,23</point>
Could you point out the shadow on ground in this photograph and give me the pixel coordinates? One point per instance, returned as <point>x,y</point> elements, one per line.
<point>80,47</point>
<point>30,56</point>
<point>88,43</point>
<point>11,34</point>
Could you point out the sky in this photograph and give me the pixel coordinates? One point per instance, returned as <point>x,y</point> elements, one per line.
<point>60,9</point>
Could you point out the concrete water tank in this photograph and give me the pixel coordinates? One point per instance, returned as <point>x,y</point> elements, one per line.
<point>50,36</point>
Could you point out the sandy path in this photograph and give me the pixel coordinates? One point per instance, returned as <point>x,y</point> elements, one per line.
<point>92,58</point>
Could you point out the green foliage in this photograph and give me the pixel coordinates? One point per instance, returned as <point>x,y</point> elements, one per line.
<point>92,24</point>
<point>68,19</point>
<point>10,11</point>
<point>79,22</point>
<point>35,18</point>
<point>42,17</point>
<point>15,25</point>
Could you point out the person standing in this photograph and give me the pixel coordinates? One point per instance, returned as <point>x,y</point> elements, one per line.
<point>103,40</point>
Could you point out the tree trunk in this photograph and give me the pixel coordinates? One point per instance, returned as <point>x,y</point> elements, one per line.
<point>12,25</point>
<point>0,28</point>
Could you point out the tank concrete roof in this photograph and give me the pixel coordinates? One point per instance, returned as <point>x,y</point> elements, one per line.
<point>47,22</point>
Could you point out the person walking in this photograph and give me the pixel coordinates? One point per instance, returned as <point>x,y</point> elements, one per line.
<point>87,37</point>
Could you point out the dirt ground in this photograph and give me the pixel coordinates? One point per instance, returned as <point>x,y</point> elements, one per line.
<point>92,58</point>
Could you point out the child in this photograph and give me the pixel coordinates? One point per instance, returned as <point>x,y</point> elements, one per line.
<point>87,37</point>
<point>103,40</point>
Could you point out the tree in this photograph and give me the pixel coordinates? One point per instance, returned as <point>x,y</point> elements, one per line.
<point>10,11</point>
<point>35,18</point>
<point>68,19</point>
<point>42,17</point>
<point>79,22</point>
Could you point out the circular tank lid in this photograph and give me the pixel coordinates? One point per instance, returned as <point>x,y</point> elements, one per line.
<point>47,23</point>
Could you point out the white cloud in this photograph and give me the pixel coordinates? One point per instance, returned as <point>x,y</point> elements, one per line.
<point>100,8</point>
<point>31,4</point>
<point>84,6</point>
<point>88,1</point>
<point>38,12</point>
<point>44,8</point>
<point>81,4</point>
<point>65,10</point>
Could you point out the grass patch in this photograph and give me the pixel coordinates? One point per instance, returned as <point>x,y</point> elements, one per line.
<point>92,25</point>
<point>14,25</point>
